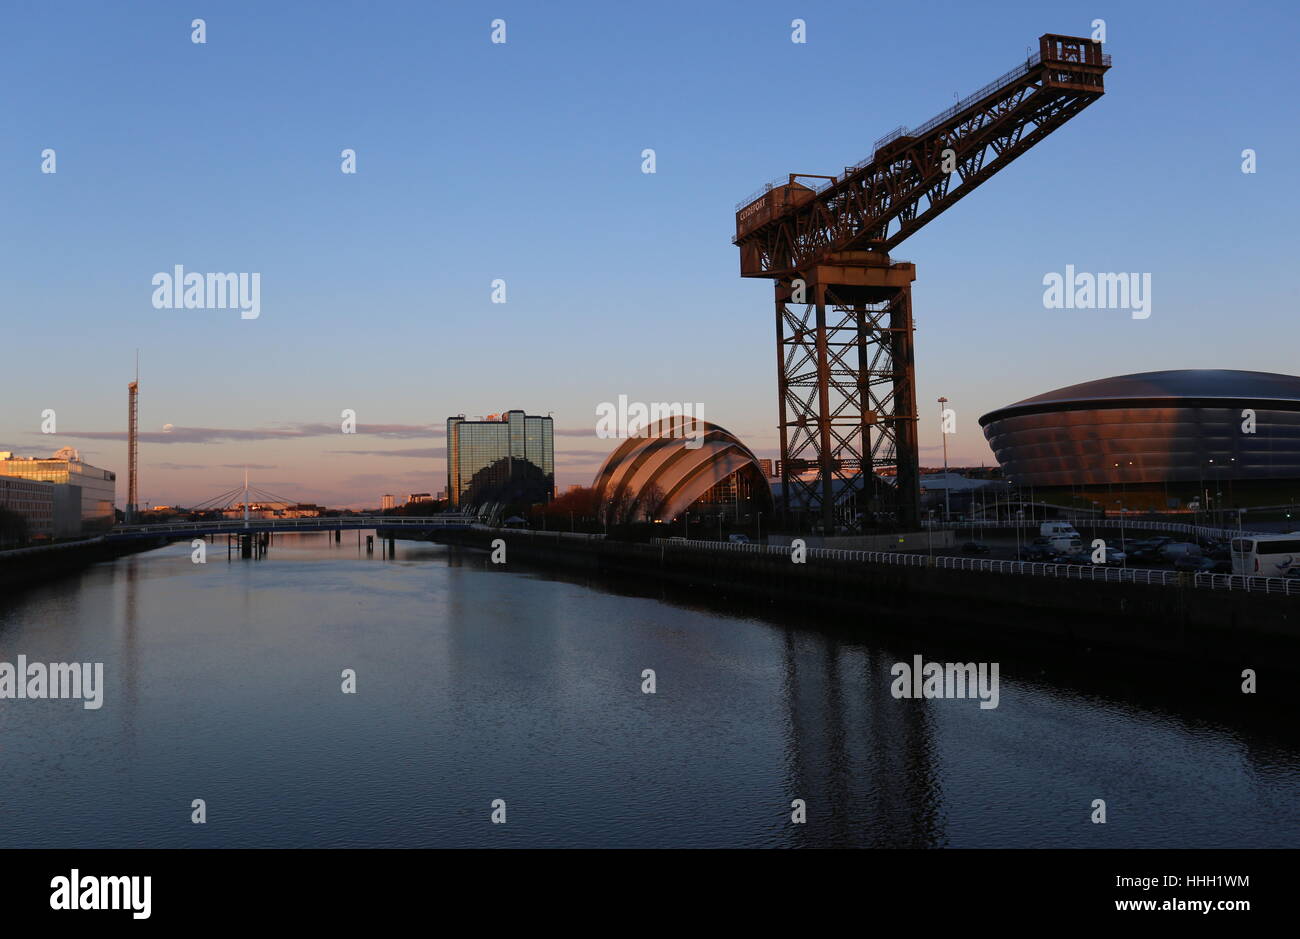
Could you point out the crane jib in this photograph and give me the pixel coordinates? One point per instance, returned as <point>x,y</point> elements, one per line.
<point>914,175</point>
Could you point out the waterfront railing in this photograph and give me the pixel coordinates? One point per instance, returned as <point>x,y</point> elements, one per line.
<point>1203,532</point>
<point>1127,575</point>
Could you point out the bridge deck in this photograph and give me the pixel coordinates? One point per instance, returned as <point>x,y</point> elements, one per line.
<point>258,525</point>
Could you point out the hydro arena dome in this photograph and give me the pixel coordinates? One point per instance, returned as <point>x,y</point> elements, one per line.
<point>1157,440</point>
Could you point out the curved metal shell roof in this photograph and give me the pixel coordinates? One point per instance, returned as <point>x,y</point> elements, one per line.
<point>665,471</point>
<point>1186,386</point>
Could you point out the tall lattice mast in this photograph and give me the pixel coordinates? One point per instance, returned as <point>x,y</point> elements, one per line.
<point>132,443</point>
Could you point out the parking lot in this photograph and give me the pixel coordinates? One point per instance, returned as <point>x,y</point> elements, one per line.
<point>1139,549</point>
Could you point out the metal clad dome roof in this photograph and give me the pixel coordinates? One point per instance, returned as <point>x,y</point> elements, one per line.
<point>1192,384</point>
<point>1153,429</point>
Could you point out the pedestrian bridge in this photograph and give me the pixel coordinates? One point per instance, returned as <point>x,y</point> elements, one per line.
<point>234,526</point>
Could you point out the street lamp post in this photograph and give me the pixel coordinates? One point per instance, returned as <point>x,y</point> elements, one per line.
<point>1123,545</point>
<point>1218,516</point>
<point>943,432</point>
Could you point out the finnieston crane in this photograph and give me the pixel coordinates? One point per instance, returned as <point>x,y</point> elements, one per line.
<point>845,358</point>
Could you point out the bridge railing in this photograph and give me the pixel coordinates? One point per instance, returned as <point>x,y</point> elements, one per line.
<point>304,524</point>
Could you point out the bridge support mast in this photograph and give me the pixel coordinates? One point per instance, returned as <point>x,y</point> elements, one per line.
<point>846,380</point>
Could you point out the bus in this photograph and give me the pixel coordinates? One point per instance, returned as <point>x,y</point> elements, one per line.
<point>1266,555</point>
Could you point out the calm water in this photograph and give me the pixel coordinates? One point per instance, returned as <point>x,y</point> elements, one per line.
<point>474,684</point>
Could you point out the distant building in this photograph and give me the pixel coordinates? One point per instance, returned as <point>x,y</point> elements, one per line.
<point>807,469</point>
<point>387,501</point>
<point>765,464</point>
<point>97,488</point>
<point>507,458</point>
<point>419,497</point>
<point>67,511</point>
<point>952,482</point>
<point>269,510</point>
<point>32,500</point>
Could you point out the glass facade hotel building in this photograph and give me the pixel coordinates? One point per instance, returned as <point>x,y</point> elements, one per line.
<point>506,458</point>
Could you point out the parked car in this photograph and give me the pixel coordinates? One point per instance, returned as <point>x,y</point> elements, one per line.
<point>738,538</point>
<point>1200,564</point>
<point>1148,546</point>
<point>1115,556</point>
<point>975,547</point>
<point>1177,549</point>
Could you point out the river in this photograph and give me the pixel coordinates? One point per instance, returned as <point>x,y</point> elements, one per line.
<point>222,682</point>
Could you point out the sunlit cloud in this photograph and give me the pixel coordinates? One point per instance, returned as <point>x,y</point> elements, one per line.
<point>178,434</point>
<point>580,457</point>
<point>421,452</point>
<point>223,434</point>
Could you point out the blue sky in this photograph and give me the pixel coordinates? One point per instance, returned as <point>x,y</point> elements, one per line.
<point>522,161</point>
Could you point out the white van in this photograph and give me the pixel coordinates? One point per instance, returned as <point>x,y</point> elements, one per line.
<point>1065,544</point>
<point>1266,555</point>
<point>1053,529</point>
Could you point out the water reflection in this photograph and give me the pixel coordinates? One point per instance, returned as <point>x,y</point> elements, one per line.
<point>478,682</point>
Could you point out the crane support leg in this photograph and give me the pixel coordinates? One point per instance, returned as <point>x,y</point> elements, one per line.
<point>826,450</point>
<point>782,386</point>
<point>847,392</point>
<point>907,469</point>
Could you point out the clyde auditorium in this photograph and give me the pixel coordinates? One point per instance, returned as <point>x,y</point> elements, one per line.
<point>1157,440</point>
<point>679,464</point>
